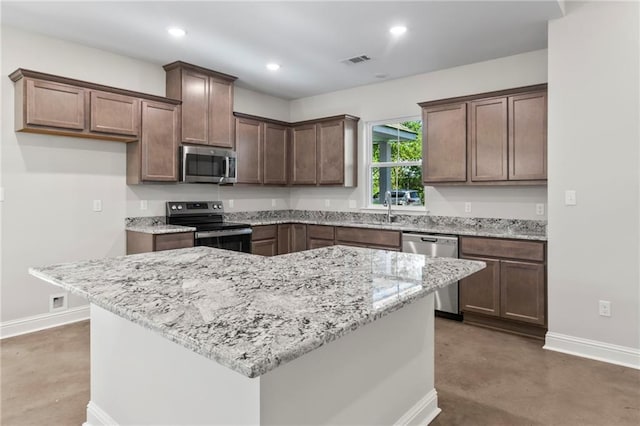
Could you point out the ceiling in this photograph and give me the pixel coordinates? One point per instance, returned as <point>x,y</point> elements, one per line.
<point>308,39</point>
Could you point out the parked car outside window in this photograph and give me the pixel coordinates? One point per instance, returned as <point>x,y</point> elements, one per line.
<point>401,197</point>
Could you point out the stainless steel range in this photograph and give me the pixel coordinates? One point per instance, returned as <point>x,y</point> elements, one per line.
<point>211,229</point>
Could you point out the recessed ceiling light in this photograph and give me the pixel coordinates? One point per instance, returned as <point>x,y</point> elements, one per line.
<point>272,66</point>
<point>398,30</point>
<point>177,32</point>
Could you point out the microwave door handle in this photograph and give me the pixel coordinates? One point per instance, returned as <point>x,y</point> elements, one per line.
<point>228,167</point>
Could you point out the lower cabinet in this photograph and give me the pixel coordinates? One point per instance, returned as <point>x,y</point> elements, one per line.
<point>141,242</point>
<point>320,236</point>
<point>271,240</point>
<point>510,294</point>
<point>264,240</point>
<point>370,238</point>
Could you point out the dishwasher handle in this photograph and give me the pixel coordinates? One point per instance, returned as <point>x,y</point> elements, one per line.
<point>429,239</point>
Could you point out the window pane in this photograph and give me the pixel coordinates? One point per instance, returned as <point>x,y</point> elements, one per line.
<point>404,183</point>
<point>394,142</point>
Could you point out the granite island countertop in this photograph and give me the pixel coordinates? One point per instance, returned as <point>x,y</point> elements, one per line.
<point>252,313</point>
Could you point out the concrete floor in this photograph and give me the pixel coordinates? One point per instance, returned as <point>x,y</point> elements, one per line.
<point>483,377</point>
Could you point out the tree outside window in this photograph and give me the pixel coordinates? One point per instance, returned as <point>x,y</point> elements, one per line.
<point>396,163</point>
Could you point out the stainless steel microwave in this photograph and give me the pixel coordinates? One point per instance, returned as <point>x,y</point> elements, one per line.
<point>200,164</point>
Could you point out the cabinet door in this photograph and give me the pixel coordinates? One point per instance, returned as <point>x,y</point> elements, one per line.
<point>55,105</point>
<point>195,107</point>
<point>275,154</point>
<point>159,142</point>
<point>317,243</point>
<point>173,241</point>
<point>303,153</point>
<point>330,147</point>
<point>480,292</point>
<point>488,139</point>
<point>284,239</point>
<point>221,122</point>
<point>444,145</point>
<point>522,295</point>
<point>249,150</point>
<point>265,247</point>
<point>528,136</point>
<point>298,237</point>
<point>117,114</point>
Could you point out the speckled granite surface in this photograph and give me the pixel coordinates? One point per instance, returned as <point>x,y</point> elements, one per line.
<point>482,227</point>
<point>160,229</point>
<point>253,313</point>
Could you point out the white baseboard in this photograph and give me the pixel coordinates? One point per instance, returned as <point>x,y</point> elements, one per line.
<point>96,416</point>
<point>422,413</point>
<point>42,321</point>
<point>593,349</point>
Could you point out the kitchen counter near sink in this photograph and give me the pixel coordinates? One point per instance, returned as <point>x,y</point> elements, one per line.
<point>258,316</point>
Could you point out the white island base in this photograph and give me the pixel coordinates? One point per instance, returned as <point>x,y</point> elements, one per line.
<point>380,374</point>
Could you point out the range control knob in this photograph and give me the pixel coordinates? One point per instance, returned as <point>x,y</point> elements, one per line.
<point>179,207</point>
<point>173,207</point>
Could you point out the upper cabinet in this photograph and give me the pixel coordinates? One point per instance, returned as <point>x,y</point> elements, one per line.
<point>324,152</point>
<point>276,143</point>
<point>497,138</point>
<point>249,148</point>
<point>113,113</point>
<point>207,104</point>
<point>444,143</point>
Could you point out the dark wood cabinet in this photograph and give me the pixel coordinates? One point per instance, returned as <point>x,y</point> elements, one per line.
<point>522,293</point>
<point>303,155</point>
<point>284,238</point>
<point>113,113</point>
<point>264,240</point>
<point>249,148</point>
<point>480,292</point>
<point>528,136</point>
<point>55,105</point>
<point>502,140</point>
<point>140,242</point>
<point>488,139</point>
<point>275,158</point>
<point>371,238</point>
<point>330,147</point>
<point>207,103</point>
<point>510,294</point>
<point>444,143</point>
<point>298,237</point>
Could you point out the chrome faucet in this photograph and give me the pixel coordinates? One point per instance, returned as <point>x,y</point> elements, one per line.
<point>387,202</point>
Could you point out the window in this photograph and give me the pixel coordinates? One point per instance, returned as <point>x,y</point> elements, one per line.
<point>395,163</point>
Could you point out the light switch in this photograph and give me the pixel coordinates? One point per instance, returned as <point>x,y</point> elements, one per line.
<point>327,202</point>
<point>97,205</point>
<point>273,202</point>
<point>144,205</point>
<point>467,207</point>
<point>540,209</point>
<point>231,204</point>
<point>570,197</point>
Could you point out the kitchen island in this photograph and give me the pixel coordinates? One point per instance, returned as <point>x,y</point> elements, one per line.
<point>338,335</point>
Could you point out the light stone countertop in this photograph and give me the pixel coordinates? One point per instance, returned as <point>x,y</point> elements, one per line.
<point>160,229</point>
<point>453,230</point>
<point>252,313</point>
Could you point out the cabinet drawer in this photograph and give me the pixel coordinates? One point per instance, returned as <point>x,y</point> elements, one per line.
<point>264,232</point>
<point>320,232</point>
<point>364,236</point>
<point>510,249</point>
<point>173,241</point>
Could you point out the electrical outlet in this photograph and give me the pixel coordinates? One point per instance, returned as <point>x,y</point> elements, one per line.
<point>570,197</point>
<point>57,302</point>
<point>97,205</point>
<point>144,205</point>
<point>273,202</point>
<point>231,204</point>
<point>604,308</point>
<point>540,209</point>
<point>467,207</point>
<point>327,202</point>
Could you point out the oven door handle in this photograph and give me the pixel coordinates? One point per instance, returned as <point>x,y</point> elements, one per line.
<point>229,233</point>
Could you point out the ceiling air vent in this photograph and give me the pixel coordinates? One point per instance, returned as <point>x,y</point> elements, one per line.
<point>356,60</point>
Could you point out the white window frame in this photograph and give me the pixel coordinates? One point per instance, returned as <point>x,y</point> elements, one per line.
<point>369,165</point>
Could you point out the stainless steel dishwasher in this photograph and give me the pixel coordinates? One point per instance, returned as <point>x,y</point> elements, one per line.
<point>446,299</point>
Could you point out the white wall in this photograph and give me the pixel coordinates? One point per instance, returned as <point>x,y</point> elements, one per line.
<point>594,140</point>
<point>50,181</point>
<point>399,99</point>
